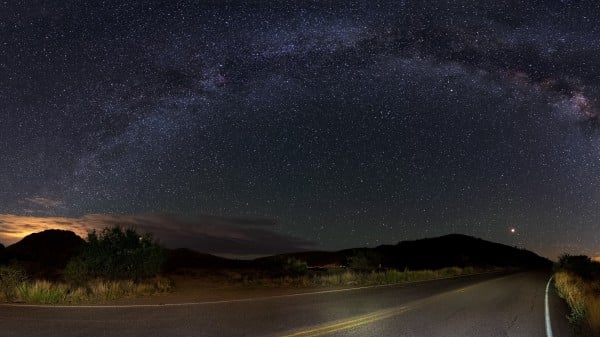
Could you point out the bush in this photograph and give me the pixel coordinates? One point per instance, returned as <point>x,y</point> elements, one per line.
<point>11,277</point>
<point>364,261</point>
<point>295,267</point>
<point>579,265</point>
<point>76,273</point>
<point>117,254</point>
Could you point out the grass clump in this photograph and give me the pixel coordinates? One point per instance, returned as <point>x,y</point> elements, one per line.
<point>11,277</point>
<point>577,280</point>
<point>94,291</point>
<point>42,292</point>
<point>582,296</point>
<point>107,290</point>
<point>100,290</point>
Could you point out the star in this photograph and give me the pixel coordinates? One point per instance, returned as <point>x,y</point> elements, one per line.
<point>328,118</point>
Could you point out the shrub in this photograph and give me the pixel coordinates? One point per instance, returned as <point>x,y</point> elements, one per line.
<point>116,253</point>
<point>295,267</point>
<point>76,272</point>
<point>10,278</point>
<point>580,265</point>
<point>364,261</point>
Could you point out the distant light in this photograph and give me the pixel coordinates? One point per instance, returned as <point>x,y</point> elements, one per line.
<point>512,230</point>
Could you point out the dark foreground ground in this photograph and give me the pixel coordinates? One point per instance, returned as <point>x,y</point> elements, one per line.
<point>484,305</point>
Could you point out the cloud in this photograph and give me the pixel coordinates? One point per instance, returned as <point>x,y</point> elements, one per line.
<point>44,202</point>
<point>15,227</point>
<point>211,234</point>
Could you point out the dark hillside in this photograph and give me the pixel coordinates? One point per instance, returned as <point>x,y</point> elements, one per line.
<point>45,253</point>
<point>458,250</point>
<point>454,250</point>
<point>184,258</point>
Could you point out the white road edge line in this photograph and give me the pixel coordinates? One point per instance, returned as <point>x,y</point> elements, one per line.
<point>250,299</point>
<point>548,325</point>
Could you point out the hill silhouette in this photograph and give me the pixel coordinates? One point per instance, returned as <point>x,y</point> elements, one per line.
<point>184,258</point>
<point>45,254</point>
<point>453,250</point>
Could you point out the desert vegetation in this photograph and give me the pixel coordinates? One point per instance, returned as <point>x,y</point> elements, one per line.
<point>343,277</point>
<point>113,264</point>
<point>577,279</point>
<point>117,263</point>
<point>96,291</point>
<point>363,269</point>
<point>116,254</point>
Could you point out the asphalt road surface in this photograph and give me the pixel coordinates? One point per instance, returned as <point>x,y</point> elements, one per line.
<point>485,305</point>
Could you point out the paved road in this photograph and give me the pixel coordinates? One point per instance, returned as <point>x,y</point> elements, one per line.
<point>490,305</point>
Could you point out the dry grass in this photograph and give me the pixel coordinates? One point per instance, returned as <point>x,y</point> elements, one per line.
<point>41,292</point>
<point>346,277</point>
<point>96,291</point>
<point>582,296</point>
<point>391,276</point>
<point>102,291</point>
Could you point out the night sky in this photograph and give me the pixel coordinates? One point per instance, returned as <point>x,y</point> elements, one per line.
<point>259,127</point>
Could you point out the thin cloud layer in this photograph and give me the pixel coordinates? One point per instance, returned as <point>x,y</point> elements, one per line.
<point>212,234</point>
<point>44,202</point>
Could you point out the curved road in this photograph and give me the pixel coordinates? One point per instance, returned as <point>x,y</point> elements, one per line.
<point>484,305</point>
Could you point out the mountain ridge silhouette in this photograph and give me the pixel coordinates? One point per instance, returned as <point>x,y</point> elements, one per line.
<point>46,253</point>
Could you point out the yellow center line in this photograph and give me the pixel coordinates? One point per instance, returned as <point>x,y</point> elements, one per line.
<point>371,318</point>
<point>349,323</point>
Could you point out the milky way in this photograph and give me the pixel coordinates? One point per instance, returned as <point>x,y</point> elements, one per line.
<point>341,123</point>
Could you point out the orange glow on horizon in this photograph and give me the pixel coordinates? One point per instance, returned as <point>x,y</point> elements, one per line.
<point>14,227</point>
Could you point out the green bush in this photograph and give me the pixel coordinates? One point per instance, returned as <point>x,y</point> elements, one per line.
<point>118,254</point>
<point>11,277</point>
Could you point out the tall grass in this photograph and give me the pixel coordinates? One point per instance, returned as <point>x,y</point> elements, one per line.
<point>390,276</point>
<point>348,277</point>
<point>582,296</point>
<point>102,290</point>
<point>98,290</point>
<point>41,292</point>
<point>10,278</point>
<point>44,292</point>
